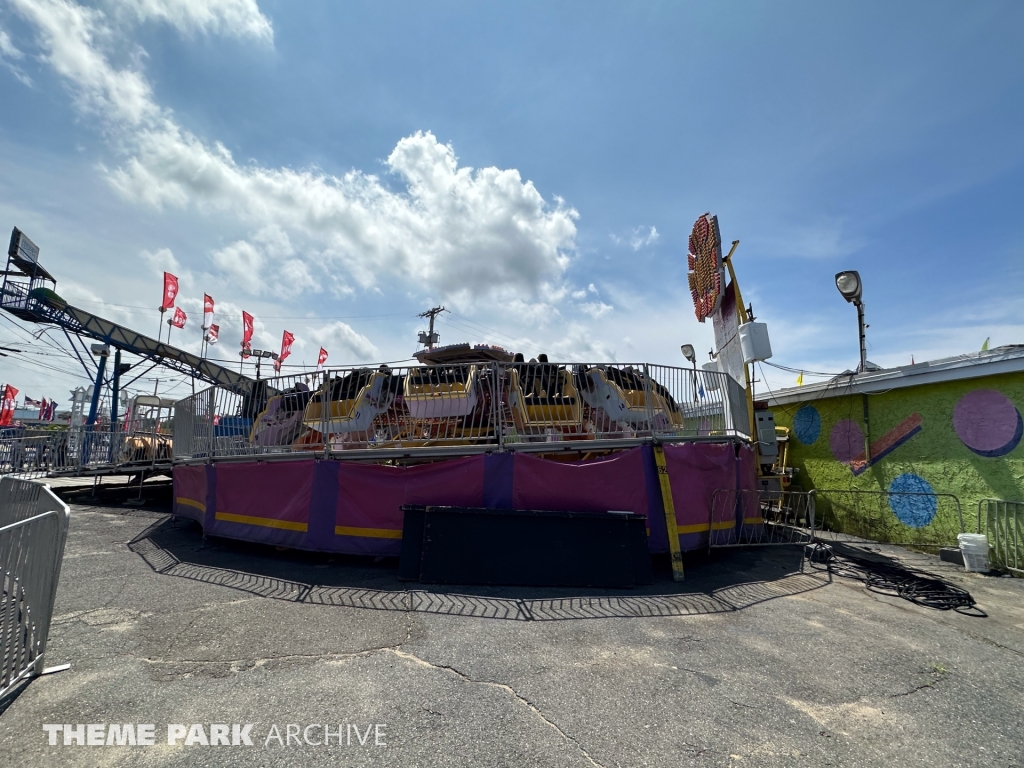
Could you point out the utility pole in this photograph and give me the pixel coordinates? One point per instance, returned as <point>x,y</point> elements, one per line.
<point>429,339</point>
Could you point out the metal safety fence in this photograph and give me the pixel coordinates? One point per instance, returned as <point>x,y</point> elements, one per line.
<point>1004,526</point>
<point>464,407</point>
<point>758,518</point>
<point>33,531</point>
<point>926,520</point>
<point>84,449</point>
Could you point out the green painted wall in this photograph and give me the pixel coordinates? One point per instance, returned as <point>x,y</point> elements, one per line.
<point>951,415</point>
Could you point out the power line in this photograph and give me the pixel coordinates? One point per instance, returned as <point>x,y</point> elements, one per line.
<point>261,317</point>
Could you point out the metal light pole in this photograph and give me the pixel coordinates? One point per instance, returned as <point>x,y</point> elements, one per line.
<point>851,288</point>
<point>691,354</point>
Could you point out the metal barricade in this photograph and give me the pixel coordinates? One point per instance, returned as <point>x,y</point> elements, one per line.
<point>33,531</point>
<point>29,456</point>
<point>760,518</point>
<point>1004,526</point>
<point>926,520</point>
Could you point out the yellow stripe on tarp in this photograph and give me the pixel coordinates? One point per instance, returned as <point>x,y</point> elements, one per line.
<point>371,533</point>
<point>191,503</point>
<point>267,522</point>
<point>721,525</point>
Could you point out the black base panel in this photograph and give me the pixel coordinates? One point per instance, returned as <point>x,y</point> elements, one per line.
<point>460,545</point>
<point>412,543</point>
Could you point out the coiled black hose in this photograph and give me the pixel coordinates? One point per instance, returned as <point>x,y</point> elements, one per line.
<point>890,578</point>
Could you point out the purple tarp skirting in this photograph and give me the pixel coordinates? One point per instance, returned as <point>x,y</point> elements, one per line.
<point>190,493</point>
<point>333,506</point>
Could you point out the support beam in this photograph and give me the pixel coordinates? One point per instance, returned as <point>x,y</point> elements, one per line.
<point>670,514</point>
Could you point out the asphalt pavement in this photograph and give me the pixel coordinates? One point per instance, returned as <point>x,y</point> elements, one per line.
<point>756,659</point>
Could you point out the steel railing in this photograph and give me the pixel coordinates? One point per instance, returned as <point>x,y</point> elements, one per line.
<point>28,456</point>
<point>757,518</point>
<point>1004,526</point>
<point>931,520</point>
<point>70,451</point>
<point>33,531</point>
<point>356,412</point>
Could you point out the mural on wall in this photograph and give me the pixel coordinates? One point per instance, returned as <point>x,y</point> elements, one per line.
<point>988,423</point>
<point>847,442</point>
<point>912,500</point>
<point>807,425</point>
<point>973,449</point>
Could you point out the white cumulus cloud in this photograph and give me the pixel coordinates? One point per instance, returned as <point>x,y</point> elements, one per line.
<point>453,229</point>
<point>9,53</point>
<point>344,344</point>
<point>639,239</point>
<point>265,265</point>
<point>238,18</point>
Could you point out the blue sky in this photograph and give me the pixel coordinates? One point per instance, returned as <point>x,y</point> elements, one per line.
<point>335,168</point>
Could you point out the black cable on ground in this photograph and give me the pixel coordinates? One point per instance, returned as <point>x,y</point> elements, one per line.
<point>890,578</point>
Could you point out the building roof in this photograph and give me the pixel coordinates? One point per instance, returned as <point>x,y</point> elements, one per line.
<point>1005,359</point>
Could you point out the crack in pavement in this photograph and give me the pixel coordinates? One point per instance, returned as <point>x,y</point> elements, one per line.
<point>993,642</point>
<point>913,690</point>
<point>502,687</point>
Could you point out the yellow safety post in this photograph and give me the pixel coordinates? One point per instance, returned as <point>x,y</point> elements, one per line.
<point>670,513</point>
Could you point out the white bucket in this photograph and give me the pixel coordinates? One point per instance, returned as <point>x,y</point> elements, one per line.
<point>974,547</point>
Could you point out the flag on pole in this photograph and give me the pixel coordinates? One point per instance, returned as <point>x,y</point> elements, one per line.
<point>178,321</point>
<point>7,407</point>
<point>207,311</point>
<point>246,330</point>
<point>30,403</point>
<point>170,291</point>
<point>321,359</point>
<point>51,411</point>
<point>800,379</point>
<point>212,333</point>
<point>42,409</point>
<point>984,347</point>
<point>286,349</point>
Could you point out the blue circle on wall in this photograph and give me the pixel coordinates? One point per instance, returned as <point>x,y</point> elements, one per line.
<point>807,424</point>
<point>913,511</point>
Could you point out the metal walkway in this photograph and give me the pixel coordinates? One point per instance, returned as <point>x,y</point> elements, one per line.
<point>28,297</point>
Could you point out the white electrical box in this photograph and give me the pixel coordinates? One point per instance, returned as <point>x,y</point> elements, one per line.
<point>711,382</point>
<point>754,342</point>
<point>767,443</point>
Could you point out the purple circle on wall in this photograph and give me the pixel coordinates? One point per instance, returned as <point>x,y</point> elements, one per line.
<point>846,441</point>
<point>988,423</point>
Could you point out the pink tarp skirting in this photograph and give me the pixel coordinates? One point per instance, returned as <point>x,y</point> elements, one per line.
<point>696,471</point>
<point>368,514</point>
<point>333,506</point>
<point>267,502</point>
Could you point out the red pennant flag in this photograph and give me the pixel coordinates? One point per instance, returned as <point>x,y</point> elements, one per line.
<point>212,333</point>
<point>321,359</point>
<point>7,407</point>
<point>43,406</point>
<point>246,330</point>
<point>170,290</point>
<point>207,311</point>
<point>286,349</point>
<point>179,318</point>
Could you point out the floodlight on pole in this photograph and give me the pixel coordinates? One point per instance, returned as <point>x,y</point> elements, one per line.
<point>851,288</point>
<point>849,285</point>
